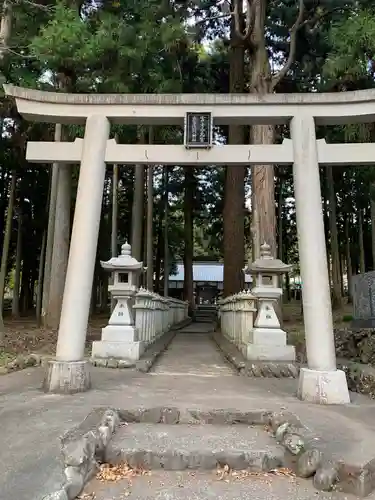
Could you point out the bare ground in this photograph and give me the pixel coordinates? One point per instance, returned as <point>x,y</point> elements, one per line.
<point>23,336</point>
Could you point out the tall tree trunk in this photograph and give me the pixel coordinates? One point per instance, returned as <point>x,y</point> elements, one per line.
<point>114,250</point>
<point>189,237</point>
<point>50,230</point>
<point>149,238</point>
<point>279,302</point>
<point>39,291</point>
<point>61,239</point>
<point>114,221</point>
<point>5,28</point>
<point>373,226</point>
<point>150,213</point>
<point>234,193</point>
<point>263,188</point>
<point>138,205</point>
<point>349,272</point>
<point>326,228</point>
<point>335,254</point>
<point>342,270</point>
<point>280,221</point>
<point>362,264</point>
<point>159,239</point>
<point>263,182</point>
<point>5,251</point>
<point>166,264</point>
<point>17,269</point>
<point>104,293</point>
<point>94,293</point>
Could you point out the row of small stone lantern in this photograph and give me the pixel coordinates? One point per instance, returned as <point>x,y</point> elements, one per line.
<point>151,315</point>
<point>236,317</point>
<point>139,317</point>
<point>154,314</point>
<point>264,340</point>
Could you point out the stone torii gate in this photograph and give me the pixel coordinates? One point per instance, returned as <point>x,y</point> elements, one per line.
<point>321,382</point>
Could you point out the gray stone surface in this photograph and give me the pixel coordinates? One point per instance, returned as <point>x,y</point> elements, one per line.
<point>162,485</point>
<point>67,377</point>
<point>326,477</point>
<point>31,421</point>
<point>363,290</point>
<point>310,99</point>
<point>82,447</point>
<point>193,353</point>
<point>268,369</point>
<point>150,357</point>
<point>178,447</point>
<point>308,462</point>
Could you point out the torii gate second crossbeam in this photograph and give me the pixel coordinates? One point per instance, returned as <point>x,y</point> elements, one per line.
<point>321,382</point>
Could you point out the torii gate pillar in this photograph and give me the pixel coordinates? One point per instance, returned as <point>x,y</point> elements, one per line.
<point>321,382</point>
<point>69,372</point>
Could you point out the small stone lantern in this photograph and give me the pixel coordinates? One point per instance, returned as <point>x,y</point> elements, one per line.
<point>120,337</point>
<point>268,340</point>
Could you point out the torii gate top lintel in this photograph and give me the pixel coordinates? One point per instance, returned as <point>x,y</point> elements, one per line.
<point>326,108</point>
<point>321,381</point>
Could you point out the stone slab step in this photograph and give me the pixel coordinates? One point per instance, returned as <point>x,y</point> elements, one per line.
<point>200,485</point>
<point>179,447</point>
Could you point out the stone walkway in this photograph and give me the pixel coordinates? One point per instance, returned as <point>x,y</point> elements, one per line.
<point>31,421</point>
<point>193,353</point>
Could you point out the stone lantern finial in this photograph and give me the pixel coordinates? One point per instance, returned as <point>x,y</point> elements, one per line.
<point>265,251</point>
<point>126,249</point>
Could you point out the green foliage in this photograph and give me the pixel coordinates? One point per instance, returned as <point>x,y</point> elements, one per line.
<point>151,46</point>
<point>121,50</point>
<point>352,48</point>
<point>347,318</point>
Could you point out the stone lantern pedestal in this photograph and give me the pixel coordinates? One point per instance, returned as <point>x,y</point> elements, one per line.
<point>267,341</point>
<point>120,337</point>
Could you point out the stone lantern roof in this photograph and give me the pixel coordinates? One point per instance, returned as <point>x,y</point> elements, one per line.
<point>267,264</point>
<point>124,261</point>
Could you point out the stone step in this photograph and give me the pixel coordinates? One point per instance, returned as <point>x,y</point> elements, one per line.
<point>204,320</point>
<point>206,485</point>
<point>180,447</point>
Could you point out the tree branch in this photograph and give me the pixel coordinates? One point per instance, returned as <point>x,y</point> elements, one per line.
<point>212,18</point>
<point>32,4</point>
<point>292,46</point>
<point>314,22</point>
<point>249,22</point>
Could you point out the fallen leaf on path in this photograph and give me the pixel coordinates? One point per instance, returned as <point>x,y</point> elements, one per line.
<point>283,471</point>
<point>114,473</point>
<point>224,473</point>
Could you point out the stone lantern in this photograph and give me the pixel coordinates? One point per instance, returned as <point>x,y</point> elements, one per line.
<point>268,340</point>
<point>120,337</point>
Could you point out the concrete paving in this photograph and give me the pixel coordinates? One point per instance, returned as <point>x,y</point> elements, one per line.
<point>163,485</point>
<point>31,421</point>
<point>193,353</point>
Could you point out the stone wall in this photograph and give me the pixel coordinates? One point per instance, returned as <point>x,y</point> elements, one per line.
<point>353,345</point>
<point>356,345</point>
<point>355,351</point>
